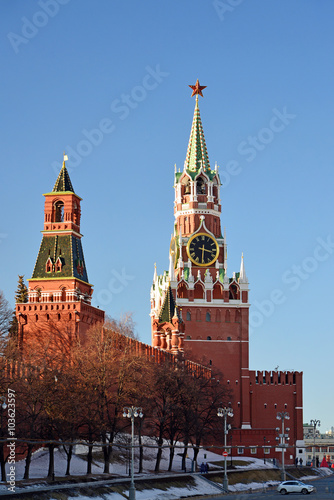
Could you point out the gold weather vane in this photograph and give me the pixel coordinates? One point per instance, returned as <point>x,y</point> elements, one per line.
<point>197,89</point>
<point>65,159</point>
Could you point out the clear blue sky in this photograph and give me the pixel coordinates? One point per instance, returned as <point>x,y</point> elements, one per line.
<point>71,67</point>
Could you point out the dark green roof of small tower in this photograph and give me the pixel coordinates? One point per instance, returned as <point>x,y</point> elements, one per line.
<point>68,250</point>
<point>168,308</point>
<point>63,182</point>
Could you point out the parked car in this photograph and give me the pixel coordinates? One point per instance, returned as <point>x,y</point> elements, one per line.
<point>295,487</point>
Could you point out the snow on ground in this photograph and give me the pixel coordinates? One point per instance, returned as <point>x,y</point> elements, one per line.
<point>40,463</point>
<point>252,486</point>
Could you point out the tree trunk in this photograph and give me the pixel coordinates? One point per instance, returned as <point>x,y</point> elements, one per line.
<point>171,457</point>
<point>69,456</point>
<point>89,458</point>
<point>51,471</point>
<point>159,454</point>
<point>28,461</point>
<point>184,456</point>
<point>196,451</point>
<point>106,455</point>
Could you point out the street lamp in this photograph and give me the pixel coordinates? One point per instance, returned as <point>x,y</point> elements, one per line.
<point>264,449</point>
<point>314,423</point>
<point>225,412</point>
<point>132,412</point>
<point>283,415</point>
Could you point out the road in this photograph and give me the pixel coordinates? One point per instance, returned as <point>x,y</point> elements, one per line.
<point>324,486</point>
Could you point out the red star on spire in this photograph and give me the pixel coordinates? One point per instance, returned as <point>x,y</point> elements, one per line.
<point>197,89</point>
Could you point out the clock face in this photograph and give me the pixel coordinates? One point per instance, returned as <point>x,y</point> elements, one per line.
<point>202,249</point>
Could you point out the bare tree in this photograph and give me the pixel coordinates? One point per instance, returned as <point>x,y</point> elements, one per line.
<point>5,316</point>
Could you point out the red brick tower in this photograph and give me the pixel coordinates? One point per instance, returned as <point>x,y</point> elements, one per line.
<point>59,290</point>
<point>215,307</point>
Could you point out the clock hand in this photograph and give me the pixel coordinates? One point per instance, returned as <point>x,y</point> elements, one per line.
<point>202,253</point>
<point>206,250</point>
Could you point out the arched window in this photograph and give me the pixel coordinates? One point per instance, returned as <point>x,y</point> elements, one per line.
<point>76,215</point>
<point>188,316</point>
<point>208,317</point>
<point>218,316</point>
<point>59,211</point>
<point>198,291</point>
<point>227,316</point>
<point>234,292</point>
<point>200,186</point>
<point>182,291</point>
<point>208,337</point>
<point>217,291</point>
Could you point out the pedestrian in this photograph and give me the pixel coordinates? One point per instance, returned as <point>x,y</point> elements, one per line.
<point>317,461</point>
<point>206,468</point>
<point>202,468</point>
<point>301,461</point>
<point>296,461</point>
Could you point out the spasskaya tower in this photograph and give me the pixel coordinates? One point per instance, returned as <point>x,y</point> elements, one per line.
<point>214,306</point>
<point>201,313</point>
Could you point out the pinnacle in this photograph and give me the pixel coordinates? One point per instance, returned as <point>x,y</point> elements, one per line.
<point>63,182</point>
<point>197,154</point>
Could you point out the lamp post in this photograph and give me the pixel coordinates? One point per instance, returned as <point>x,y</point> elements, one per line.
<point>314,422</point>
<point>132,412</point>
<point>264,449</point>
<point>283,415</point>
<point>225,412</point>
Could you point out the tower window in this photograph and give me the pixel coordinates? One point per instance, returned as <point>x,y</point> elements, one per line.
<point>59,265</point>
<point>208,317</point>
<point>208,337</point>
<point>59,211</point>
<point>188,316</point>
<point>48,266</point>
<point>187,187</point>
<point>200,186</point>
